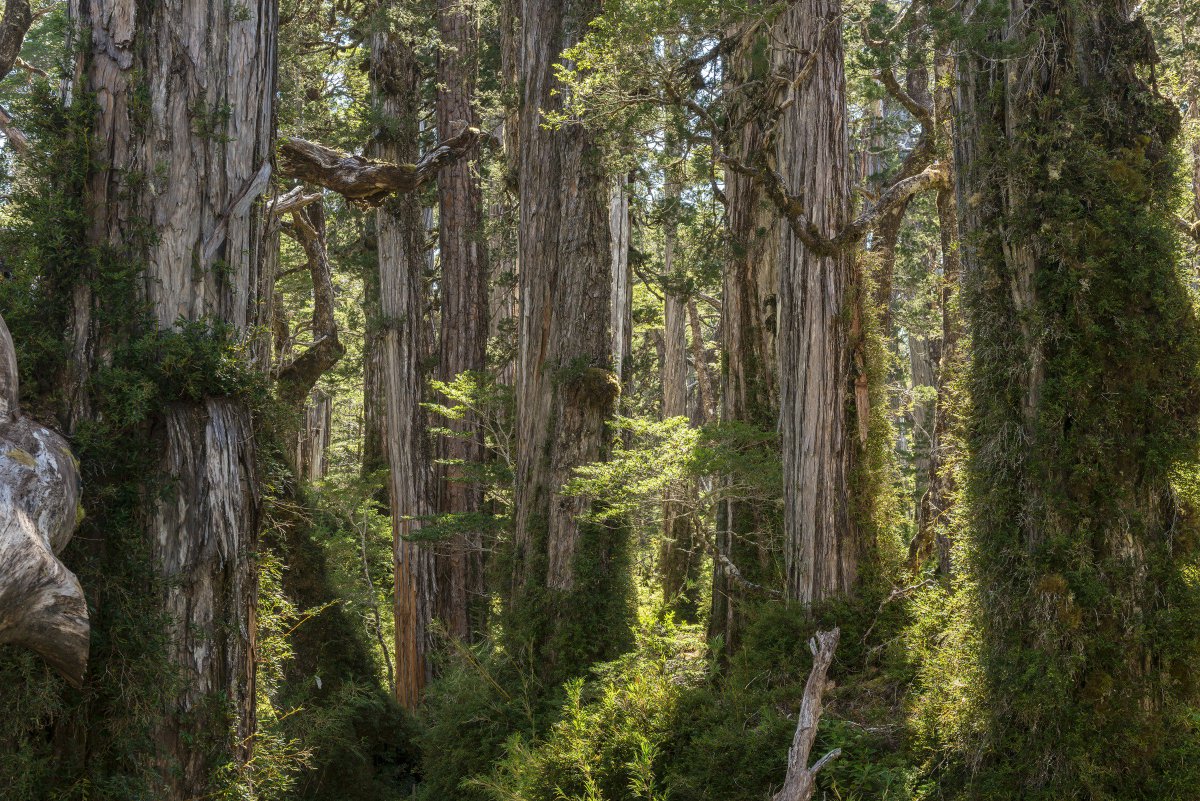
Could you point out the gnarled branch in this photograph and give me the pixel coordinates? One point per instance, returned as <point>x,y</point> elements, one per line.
<point>362,180</point>
<point>801,779</point>
<point>41,602</point>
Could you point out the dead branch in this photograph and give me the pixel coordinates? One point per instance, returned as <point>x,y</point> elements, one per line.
<point>362,180</point>
<point>801,779</point>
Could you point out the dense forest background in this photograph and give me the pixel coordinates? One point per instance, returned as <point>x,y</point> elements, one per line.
<point>542,400</point>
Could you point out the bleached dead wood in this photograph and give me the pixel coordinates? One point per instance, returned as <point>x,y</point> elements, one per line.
<point>801,779</point>
<point>364,180</point>
<point>41,602</point>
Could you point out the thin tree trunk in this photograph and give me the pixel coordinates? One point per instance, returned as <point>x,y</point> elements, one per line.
<point>679,555</point>
<point>464,315</point>
<point>815,368</point>
<point>401,249</point>
<point>312,443</point>
<point>705,404</point>
<point>621,303</point>
<point>208,74</point>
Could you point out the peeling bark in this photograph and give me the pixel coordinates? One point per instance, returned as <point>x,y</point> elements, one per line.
<point>816,337</point>
<point>749,392</point>
<point>401,249</point>
<point>464,316</point>
<point>566,388</point>
<point>186,105</point>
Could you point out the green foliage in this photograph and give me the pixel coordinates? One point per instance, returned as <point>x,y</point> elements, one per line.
<point>1078,616</point>
<point>607,741</point>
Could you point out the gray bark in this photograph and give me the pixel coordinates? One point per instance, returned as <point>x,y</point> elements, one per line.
<point>187,102</point>
<point>815,337</point>
<point>42,606</point>
<point>401,251</point>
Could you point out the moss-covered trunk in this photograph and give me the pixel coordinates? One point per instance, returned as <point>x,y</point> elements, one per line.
<point>181,150</point>
<point>570,606</point>
<point>1085,404</point>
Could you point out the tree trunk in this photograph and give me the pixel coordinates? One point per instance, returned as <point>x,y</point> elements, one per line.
<point>621,303</point>
<point>401,250</point>
<point>312,443</point>
<point>679,556</point>
<point>464,318</point>
<point>705,406</point>
<point>1084,399</point>
<point>815,369</point>
<point>568,573</point>
<point>187,100</point>
<point>749,393</point>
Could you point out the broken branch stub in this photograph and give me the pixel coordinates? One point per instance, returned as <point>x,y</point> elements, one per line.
<point>801,779</point>
<point>42,606</point>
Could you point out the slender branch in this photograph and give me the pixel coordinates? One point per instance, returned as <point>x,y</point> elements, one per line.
<point>299,376</point>
<point>1188,229</point>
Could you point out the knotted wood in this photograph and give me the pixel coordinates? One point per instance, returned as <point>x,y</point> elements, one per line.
<point>42,606</point>
<point>363,180</point>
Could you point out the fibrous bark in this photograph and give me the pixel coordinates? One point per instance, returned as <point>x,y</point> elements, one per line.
<point>749,391</point>
<point>816,371</point>
<point>464,316</point>
<point>181,152</point>
<point>42,606</point>
<point>402,344</point>
<point>566,387</point>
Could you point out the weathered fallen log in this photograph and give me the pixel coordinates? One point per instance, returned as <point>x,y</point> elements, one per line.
<point>801,779</point>
<point>364,180</point>
<point>42,606</point>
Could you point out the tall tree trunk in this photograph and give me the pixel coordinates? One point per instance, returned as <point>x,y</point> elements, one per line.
<point>187,98</point>
<point>401,250</point>
<point>1085,401</point>
<point>569,573</point>
<point>705,408</point>
<point>749,392</point>
<point>815,370</point>
<point>620,225</point>
<point>679,558</point>
<point>464,318</point>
